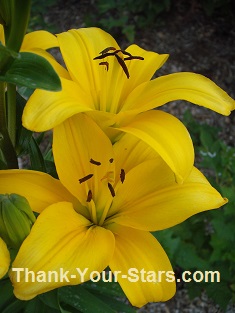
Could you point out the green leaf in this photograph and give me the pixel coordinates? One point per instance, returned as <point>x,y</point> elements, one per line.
<point>109,289</point>
<point>220,293</point>
<point>37,306</point>
<point>15,306</point>
<point>117,305</point>
<point>6,293</point>
<point>187,257</point>
<point>6,51</point>
<point>36,158</point>
<point>51,299</point>
<point>32,71</point>
<point>82,300</point>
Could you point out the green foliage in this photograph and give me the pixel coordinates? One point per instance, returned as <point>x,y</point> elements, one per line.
<point>28,69</point>
<point>88,297</point>
<point>205,242</point>
<point>38,11</point>
<point>126,16</point>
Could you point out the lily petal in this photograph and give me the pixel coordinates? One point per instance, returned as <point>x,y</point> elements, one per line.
<point>130,151</point>
<point>4,258</point>
<point>60,241</point>
<point>79,48</point>
<point>60,70</point>
<point>40,189</point>
<point>168,137</point>
<point>76,154</point>
<point>2,36</point>
<point>41,39</point>
<point>140,70</point>
<point>192,87</point>
<point>46,109</point>
<point>140,252</point>
<point>149,199</point>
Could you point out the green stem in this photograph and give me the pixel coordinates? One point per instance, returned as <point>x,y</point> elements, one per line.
<point>5,141</point>
<point>11,112</point>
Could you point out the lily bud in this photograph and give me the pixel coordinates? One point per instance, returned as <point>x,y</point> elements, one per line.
<point>16,219</point>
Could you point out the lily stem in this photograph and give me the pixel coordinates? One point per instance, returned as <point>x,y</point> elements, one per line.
<point>6,145</point>
<point>11,111</point>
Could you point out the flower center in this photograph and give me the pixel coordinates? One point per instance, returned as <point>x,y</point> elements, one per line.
<point>98,217</point>
<point>119,55</point>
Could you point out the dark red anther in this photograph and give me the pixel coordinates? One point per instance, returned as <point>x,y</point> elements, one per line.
<point>111,190</point>
<point>95,162</point>
<point>83,179</point>
<point>89,196</point>
<point>122,175</point>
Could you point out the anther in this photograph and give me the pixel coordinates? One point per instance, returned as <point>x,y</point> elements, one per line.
<point>106,64</point>
<point>107,50</point>
<point>89,196</point>
<point>123,65</point>
<point>111,190</point>
<point>122,175</point>
<point>83,179</point>
<point>95,162</point>
<point>105,53</point>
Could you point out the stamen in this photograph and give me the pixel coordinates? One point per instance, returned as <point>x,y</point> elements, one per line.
<point>132,57</point>
<point>122,175</point>
<point>123,65</point>
<point>111,160</point>
<point>105,53</point>
<point>99,57</point>
<point>107,50</point>
<point>95,162</point>
<point>106,64</point>
<point>82,180</point>
<point>89,196</point>
<point>111,190</point>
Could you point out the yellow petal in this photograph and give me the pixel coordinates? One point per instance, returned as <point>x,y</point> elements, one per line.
<point>60,241</point>
<point>139,256</point>
<point>131,151</point>
<point>46,109</point>
<point>192,87</point>
<point>38,188</point>
<point>77,142</point>
<point>149,198</point>
<point>140,70</point>
<point>4,258</point>
<point>2,36</point>
<point>39,39</point>
<point>79,48</point>
<point>60,70</point>
<point>168,137</point>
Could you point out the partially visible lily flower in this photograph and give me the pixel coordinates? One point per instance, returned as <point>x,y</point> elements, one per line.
<point>4,258</point>
<point>100,211</point>
<point>38,42</point>
<point>114,87</point>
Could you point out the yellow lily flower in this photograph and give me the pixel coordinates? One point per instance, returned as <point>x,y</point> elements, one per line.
<point>113,87</point>
<point>100,212</point>
<point>4,258</point>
